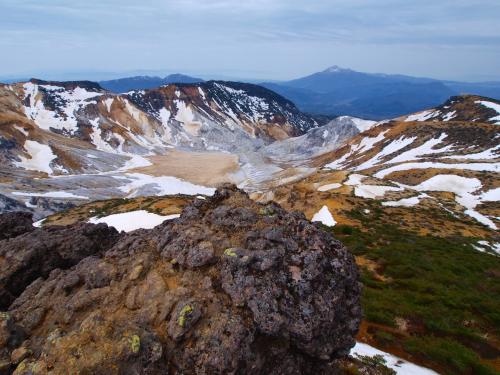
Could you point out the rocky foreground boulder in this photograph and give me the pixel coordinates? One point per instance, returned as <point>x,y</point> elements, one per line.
<point>13,224</point>
<point>231,287</point>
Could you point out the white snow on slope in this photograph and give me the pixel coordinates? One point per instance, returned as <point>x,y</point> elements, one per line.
<point>361,124</point>
<point>488,247</point>
<point>492,153</point>
<point>51,194</point>
<point>164,185</point>
<point>71,100</point>
<point>489,167</point>
<point>373,191</point>
<point>397,364</point>
<point>368,191</point>
<point>450,116</point>
<point>367,143</point>
<point>364,145</point>
<point>164,116</point>
<point>406,202</point>
<point>38,224</point>
<point>391,148</point>
<point>463,188</point>
<point>135,161</point>
<point>130,221</point>
<point>337,164</point>
<point>493,106</point>
<point>324,216</point>
<point>41,157</point>
<point>329,187</point>
<point>355,179</point>
<point>422,116</point>
<point>425,149</point>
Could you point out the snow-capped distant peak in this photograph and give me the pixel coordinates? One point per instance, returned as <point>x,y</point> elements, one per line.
<point>335,69</point>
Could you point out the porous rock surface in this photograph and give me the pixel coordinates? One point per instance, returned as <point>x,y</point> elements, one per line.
<point>231,287</point>
<point>13,224</point>
<point>25,257</point>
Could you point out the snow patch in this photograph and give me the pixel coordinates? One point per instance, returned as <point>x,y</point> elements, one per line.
<point>368,191</point>
<point>68,102</point>
<point>329,187</point>
<point>488,247</point>
<point>164,185</point>
<point>422,116</point>
<point>130,221</point>
<point>491,153</point>
<point>488,167</point>
<point>463,188</point>
<point>397,364</point>
<point>406,202</point>
<point>324,216</point>
<point>366,144</point>
<point>493,106</point>
<point>449,116</point>
<point>40,157</point>
<point>135,161</point>
<point>425,149</point>
<point>391,148</point>
<point>51,194</point>
<point>38,224</point>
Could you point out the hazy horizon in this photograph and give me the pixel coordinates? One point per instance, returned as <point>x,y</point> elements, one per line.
<point>253,40</point>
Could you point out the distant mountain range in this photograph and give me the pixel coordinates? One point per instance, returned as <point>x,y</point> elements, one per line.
<point>338,91</point>
<point>124,85</point>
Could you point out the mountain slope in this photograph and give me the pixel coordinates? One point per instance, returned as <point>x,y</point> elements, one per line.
<point>70,125</point>
<point>127,84</point>
<point>452,149</point>
<point>67,142</point>
<point>375,96</point>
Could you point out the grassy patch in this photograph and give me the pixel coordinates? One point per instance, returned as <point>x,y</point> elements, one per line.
<point>447,294</point>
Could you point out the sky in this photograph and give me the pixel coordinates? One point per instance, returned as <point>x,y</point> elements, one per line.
<point>252,39</point>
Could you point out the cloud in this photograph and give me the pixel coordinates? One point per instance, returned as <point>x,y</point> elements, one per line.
<point>96,32</point>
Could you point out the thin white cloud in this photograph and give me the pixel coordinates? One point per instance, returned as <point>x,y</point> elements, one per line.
<point>209,33</point>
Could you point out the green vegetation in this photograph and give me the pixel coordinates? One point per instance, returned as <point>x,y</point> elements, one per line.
<point>446,294</point>
<point>377,362</point>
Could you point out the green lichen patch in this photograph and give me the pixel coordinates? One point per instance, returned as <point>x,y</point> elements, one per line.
<point>185,312</point>
<point>230,253</point>
<point>267,211</point>
<point>135,344</point>
<point>4,315</point>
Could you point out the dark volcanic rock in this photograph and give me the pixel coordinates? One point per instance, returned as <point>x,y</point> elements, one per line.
<point>231,287</point>
<point>11,205</point>
<point>14,224</point>
<point>34,255</point>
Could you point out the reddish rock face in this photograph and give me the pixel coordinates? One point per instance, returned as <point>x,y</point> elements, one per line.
<point>231,286</point>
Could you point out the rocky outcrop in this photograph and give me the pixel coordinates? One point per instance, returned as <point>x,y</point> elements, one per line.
<point>11,205</point>
<point>31,256</point>
<point>230,287</point>
<point>14,224</point>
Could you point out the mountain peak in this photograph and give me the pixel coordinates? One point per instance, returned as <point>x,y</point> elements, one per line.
<point>335,69</point>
